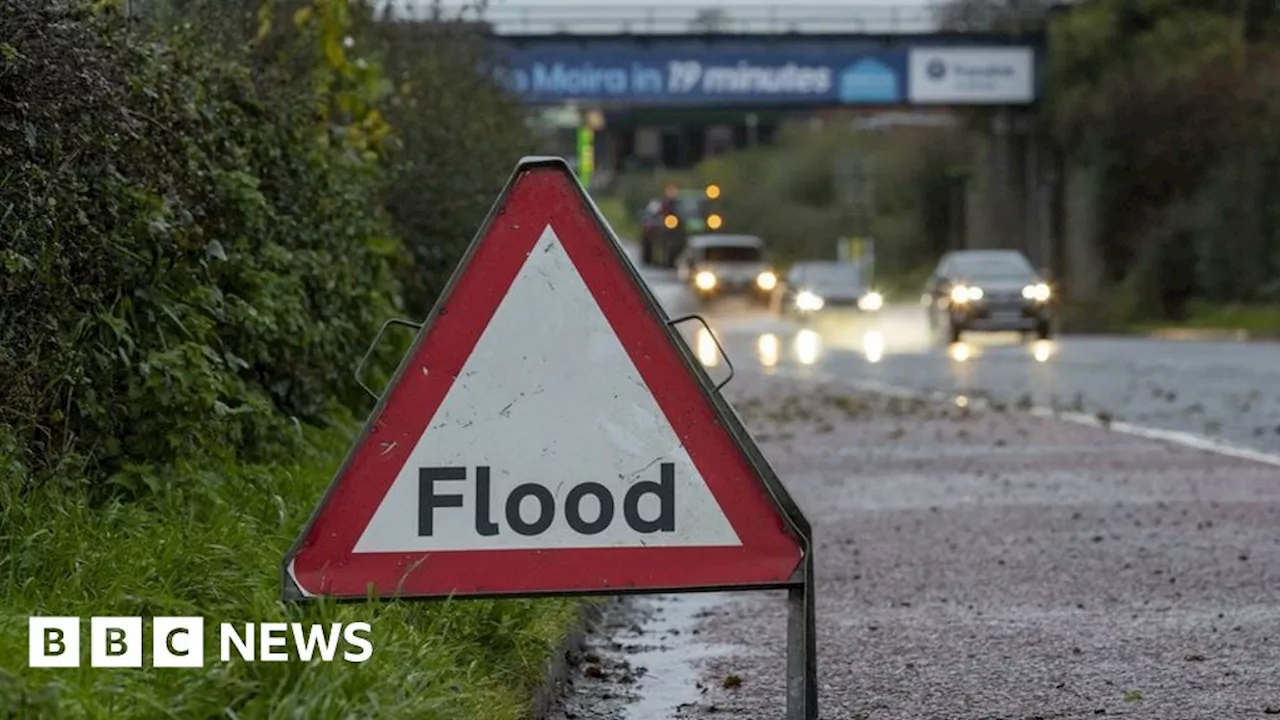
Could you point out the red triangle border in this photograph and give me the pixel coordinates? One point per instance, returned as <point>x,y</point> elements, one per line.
<point>542,194</point>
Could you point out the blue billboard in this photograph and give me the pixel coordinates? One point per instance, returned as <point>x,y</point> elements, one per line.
<point>707,77</point>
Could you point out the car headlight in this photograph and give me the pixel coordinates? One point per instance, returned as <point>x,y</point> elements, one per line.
<point>705,280</point>
<point>872,301</point>
<point>808,301</point>
<point>960,294</point>
<point>767,280</point>
<point>1039,292</point>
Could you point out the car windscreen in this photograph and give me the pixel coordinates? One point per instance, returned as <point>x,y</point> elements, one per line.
<point>994,267</point>
<point>732,254</point>
<point>831,276</point>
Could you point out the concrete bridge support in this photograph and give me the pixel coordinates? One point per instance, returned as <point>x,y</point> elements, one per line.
<point>1013,193</point>
<point>1082,266</point>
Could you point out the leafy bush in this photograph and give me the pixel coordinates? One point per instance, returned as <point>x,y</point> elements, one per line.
<point>181,252</point>
<point>192,254</point>
<point>459,136</point>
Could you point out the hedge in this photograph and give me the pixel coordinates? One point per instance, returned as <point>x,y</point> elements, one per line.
<point>194,245</point>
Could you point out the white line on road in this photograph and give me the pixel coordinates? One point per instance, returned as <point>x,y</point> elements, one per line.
<point>1186,439</point>
<point>1177,437</point>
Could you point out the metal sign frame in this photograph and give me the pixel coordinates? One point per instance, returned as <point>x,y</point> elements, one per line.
<point>802,688</point>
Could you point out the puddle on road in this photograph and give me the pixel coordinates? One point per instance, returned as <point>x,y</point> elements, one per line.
<point>671,653</point>
<point>650,641</point>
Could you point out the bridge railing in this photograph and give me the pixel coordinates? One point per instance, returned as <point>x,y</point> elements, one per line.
<point>528,18</point>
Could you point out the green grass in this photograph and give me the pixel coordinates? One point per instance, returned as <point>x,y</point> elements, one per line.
<point>211,545</point>
<point>1257,320</point>
<point>1260,319</point>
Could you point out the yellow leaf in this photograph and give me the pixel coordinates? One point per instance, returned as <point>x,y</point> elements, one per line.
<point>264,27</point>
<point>333,51</point>
<point>302,17</point>
<point>264,22</point>
<point>107,6</point>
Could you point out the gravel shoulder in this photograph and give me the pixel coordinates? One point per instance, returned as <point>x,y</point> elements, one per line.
<point>975,564</point>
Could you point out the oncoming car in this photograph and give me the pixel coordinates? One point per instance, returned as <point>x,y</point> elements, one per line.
<point>813,286</point>
<point>988,290</point>
<point>719,265</point>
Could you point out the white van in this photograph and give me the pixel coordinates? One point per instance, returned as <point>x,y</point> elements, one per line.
<point>719,265</point>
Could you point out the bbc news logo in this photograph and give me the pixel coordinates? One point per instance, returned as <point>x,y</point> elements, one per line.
<point>178,642</point>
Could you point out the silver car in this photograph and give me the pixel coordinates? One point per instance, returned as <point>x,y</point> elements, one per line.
<point>719,265</point>
<point>813,286</point>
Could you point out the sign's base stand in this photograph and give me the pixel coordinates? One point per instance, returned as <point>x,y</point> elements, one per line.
<point>802,648</point>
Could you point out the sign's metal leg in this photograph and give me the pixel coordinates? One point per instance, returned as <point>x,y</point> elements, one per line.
<point>802,648</point>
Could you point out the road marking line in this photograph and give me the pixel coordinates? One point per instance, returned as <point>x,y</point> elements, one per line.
<point>1176,437</point>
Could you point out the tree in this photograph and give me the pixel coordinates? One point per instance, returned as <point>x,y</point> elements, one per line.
<point>1166,100</point>
<point>994,15</point>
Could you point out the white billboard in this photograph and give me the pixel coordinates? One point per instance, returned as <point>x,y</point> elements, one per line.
<point>971,75</point>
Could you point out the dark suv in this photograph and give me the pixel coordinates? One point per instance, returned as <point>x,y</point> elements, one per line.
<point>988,290</point>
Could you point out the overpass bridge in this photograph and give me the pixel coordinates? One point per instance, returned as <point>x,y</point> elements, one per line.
<point>667,83</point>
<point>806,55</point>
<point>679,66</point>
<point>525,18</point>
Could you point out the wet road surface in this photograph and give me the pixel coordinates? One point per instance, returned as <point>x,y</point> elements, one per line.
<point>974,560</point>
<point>1224,390</point>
